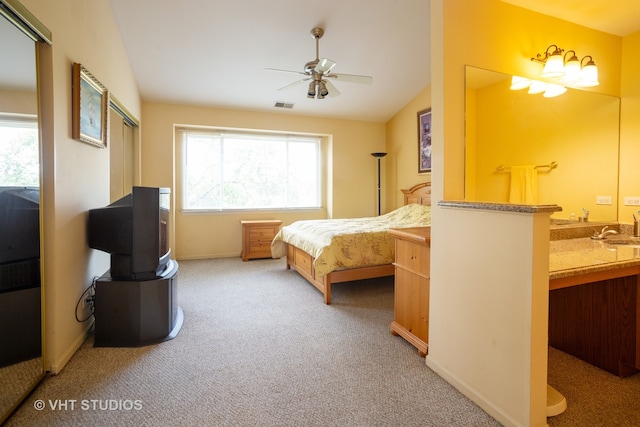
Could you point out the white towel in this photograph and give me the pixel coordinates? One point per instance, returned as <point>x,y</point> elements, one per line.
<point>524,185</point>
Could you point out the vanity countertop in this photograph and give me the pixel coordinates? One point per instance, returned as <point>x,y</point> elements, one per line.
<point>574,257</point>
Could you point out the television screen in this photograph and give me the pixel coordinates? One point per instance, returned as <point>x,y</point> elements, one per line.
<point>134,230</point>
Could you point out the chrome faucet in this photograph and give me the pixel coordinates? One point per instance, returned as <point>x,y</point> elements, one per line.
<point>603,233</point>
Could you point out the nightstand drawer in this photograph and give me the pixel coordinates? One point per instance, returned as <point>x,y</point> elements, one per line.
<point>255,247</point>
<point>262,234</point>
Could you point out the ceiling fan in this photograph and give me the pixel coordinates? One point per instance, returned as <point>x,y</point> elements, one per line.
<point>318,74</point>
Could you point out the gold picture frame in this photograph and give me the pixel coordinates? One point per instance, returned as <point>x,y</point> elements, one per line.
<point>89,109</point>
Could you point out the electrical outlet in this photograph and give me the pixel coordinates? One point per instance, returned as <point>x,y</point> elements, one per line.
<point>603,200</point>
<point>632,201</point>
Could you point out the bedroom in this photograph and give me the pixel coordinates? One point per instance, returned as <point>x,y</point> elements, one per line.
<point>77,173</point>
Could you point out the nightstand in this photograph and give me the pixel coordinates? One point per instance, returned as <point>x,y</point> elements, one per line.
<point>256,238</point>
<point>411,290</point>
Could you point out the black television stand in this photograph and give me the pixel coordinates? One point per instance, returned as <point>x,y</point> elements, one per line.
<point>135,313</point>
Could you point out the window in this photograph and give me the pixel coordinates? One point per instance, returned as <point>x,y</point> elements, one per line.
<point>231,171</point>
<point>19,151</point>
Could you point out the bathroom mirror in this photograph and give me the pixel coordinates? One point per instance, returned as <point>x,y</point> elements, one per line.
<point>21,361</point>
<point>579,130</point>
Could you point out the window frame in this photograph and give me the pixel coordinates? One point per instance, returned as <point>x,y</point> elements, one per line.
<point>180,132</point>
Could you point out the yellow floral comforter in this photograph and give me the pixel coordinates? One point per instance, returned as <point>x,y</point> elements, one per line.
<point>347,243</point>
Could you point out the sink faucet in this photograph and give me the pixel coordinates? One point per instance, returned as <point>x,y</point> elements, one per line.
<point>603,233</point>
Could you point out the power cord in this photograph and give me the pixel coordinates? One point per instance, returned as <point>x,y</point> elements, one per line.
<point>89,297</point>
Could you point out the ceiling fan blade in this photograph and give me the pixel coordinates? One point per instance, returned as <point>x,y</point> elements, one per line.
<point>294,84</point>
<point>333,92</point>
<point>286,71</point>
<point>324,65</point>
<point>351,78</point>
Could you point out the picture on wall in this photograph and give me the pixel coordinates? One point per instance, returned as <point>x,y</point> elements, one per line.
<point>90,101</point>
<point>424,141</point>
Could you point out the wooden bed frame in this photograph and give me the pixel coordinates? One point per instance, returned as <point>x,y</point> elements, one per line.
<point>302,262</point>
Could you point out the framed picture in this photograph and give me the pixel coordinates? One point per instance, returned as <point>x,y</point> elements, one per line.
<point>90,101</point>
<point>424,141</point>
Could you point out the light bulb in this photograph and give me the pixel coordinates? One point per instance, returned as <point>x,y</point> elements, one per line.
<point>554,65</point>
<point>589,75</point>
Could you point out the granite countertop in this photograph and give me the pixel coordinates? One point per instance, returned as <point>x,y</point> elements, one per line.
<point>572,252</point>
<point>572,257</point>
<point>494,206</point>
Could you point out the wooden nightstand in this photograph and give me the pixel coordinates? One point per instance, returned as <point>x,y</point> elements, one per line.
<point>256,238</point>
<point>411,294</point>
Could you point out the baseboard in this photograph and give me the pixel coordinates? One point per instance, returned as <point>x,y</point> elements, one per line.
<point>473,395</point>
<point>57,365</point>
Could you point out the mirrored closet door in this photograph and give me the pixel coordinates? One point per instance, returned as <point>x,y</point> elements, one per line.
<point>21,350</point>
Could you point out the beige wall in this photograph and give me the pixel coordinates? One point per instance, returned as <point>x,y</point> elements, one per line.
<point>76,175</point>
<point>351,171</point>
<point>402,149</point>
<point>18,101</point>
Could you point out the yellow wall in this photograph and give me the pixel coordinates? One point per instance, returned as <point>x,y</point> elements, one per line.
<point>578,130</point>
<point>351,170</point>
<point>75,174</point>
<point>502,37</point>
<point>402,149</point>
<point>492,35</point>
<point>630,127</point>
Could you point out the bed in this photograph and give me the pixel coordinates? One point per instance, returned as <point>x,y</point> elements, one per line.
<point>342,250</point>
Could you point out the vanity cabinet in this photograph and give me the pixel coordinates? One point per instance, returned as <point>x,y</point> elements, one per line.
<point>599,323</point>
<point>411,292</point>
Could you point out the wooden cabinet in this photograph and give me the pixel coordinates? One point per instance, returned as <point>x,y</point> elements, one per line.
<point>257,237</point>
<point>599,323</point>
<point>411,295</point>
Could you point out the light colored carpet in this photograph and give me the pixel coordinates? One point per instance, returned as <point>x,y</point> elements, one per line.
<point>594,397</point>
<point>17,379</point>
<point>260,348</point>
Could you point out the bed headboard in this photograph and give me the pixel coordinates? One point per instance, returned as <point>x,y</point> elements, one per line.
<point>419,193</point>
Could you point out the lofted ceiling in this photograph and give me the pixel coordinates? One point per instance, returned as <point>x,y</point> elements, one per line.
<point>618,17</point>
<point>214,53</point>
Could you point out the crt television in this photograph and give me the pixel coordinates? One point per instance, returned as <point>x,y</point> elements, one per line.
<point>19,238</point>
<point>134,230</point>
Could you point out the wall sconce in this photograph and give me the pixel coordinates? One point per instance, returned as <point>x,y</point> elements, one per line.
<point>564,70</point>
<point>567,69</point>
<point>589,75</point>
<point>553,62</point>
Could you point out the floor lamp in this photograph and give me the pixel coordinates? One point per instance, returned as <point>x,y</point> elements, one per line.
<point>378,156</point>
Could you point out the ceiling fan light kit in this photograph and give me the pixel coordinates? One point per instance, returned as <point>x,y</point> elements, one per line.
<point>317,72</point>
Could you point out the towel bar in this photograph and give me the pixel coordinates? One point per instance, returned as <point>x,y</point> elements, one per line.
<point>503,168</point>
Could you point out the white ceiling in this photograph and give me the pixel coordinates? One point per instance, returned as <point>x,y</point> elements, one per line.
<point>214,52</point>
